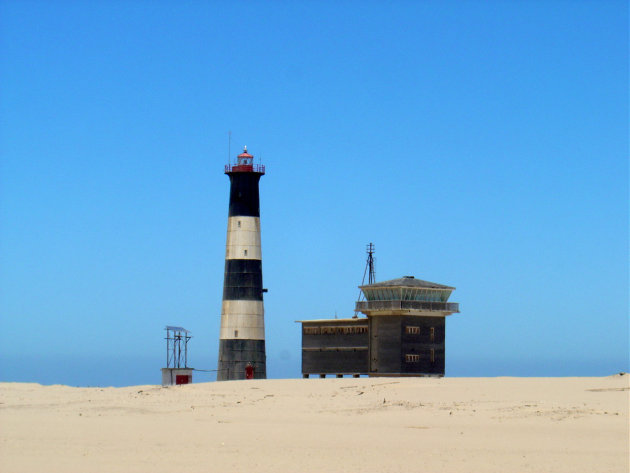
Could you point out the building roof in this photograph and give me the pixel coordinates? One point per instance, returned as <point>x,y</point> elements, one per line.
<point>407,281</point>
<point>352,320</point>
<point>245,154</point>
<point>176,329</point>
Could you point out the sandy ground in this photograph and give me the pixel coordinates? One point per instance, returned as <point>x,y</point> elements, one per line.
<point>321,425</point>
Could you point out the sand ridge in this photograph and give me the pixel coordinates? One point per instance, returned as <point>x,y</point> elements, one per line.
<point>367,424</point>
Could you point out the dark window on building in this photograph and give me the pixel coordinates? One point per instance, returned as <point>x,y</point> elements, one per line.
<point>432,334</point>
<point>411,330</point>
<point>432,355</point>
<point>410,358</point>
<point>331,330</point>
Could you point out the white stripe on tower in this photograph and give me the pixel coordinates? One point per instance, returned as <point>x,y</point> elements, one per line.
<point>242,319</point>
<point>243,238</point>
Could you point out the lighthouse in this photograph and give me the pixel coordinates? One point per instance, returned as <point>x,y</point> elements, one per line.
<point>242,334</point>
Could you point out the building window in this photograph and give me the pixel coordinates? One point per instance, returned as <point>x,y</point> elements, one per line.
<point>235,333</point>
<point>410,358</point>
<point>238,223</point>
<point>311,330</point>
<point>342,329</point>
<point>432,334</point>
<point>245,252</point>
<point>410,330</point>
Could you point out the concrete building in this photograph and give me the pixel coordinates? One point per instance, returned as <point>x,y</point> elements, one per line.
<point>242,334</point>
<point>335,346</point>
<point>402,335</point>
<point>176,376</point>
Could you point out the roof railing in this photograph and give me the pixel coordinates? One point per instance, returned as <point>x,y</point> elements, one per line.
<point>259,168</point>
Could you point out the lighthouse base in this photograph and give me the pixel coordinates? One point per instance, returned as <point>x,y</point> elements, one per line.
<point>235,355</point>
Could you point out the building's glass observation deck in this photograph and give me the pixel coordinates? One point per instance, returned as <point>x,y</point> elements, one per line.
<point>398,305</point>
<point>407,294</point>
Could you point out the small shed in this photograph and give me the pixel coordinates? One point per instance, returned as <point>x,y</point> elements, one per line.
<point>174,376</point>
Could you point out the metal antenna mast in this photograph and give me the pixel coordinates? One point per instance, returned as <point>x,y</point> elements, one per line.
<point>370,264</point>
<point>369,271</point>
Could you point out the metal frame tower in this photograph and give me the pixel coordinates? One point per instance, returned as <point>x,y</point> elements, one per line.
<point>177,370</point>
<point>176,337</point>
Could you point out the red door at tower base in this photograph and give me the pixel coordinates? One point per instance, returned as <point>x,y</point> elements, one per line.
<point>182,379</point>
<point>249,372</point>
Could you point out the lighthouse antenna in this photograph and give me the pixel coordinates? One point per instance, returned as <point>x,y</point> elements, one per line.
<point>229,146</point>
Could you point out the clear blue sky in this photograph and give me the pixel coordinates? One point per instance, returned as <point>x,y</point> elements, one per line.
<point>482,145</point>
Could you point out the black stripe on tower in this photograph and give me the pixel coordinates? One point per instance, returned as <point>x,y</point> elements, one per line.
<point>244,199</point>
<point>235,355</point>
<point>242,280</point>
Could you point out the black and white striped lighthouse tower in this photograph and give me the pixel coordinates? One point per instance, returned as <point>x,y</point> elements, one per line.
<point>242,336</point>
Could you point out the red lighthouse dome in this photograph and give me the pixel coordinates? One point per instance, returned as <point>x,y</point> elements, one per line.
<point>245,163</point>
<point>245,159</point>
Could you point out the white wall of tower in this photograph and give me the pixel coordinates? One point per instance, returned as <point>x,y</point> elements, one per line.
<point>242,320</point>
<point>242,327</point>
<point>243,238</point>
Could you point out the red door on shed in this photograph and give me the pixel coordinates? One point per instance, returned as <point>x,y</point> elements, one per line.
<point>181,379</point>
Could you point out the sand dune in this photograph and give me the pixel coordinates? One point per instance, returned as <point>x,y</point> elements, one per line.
<point>321,425</point>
